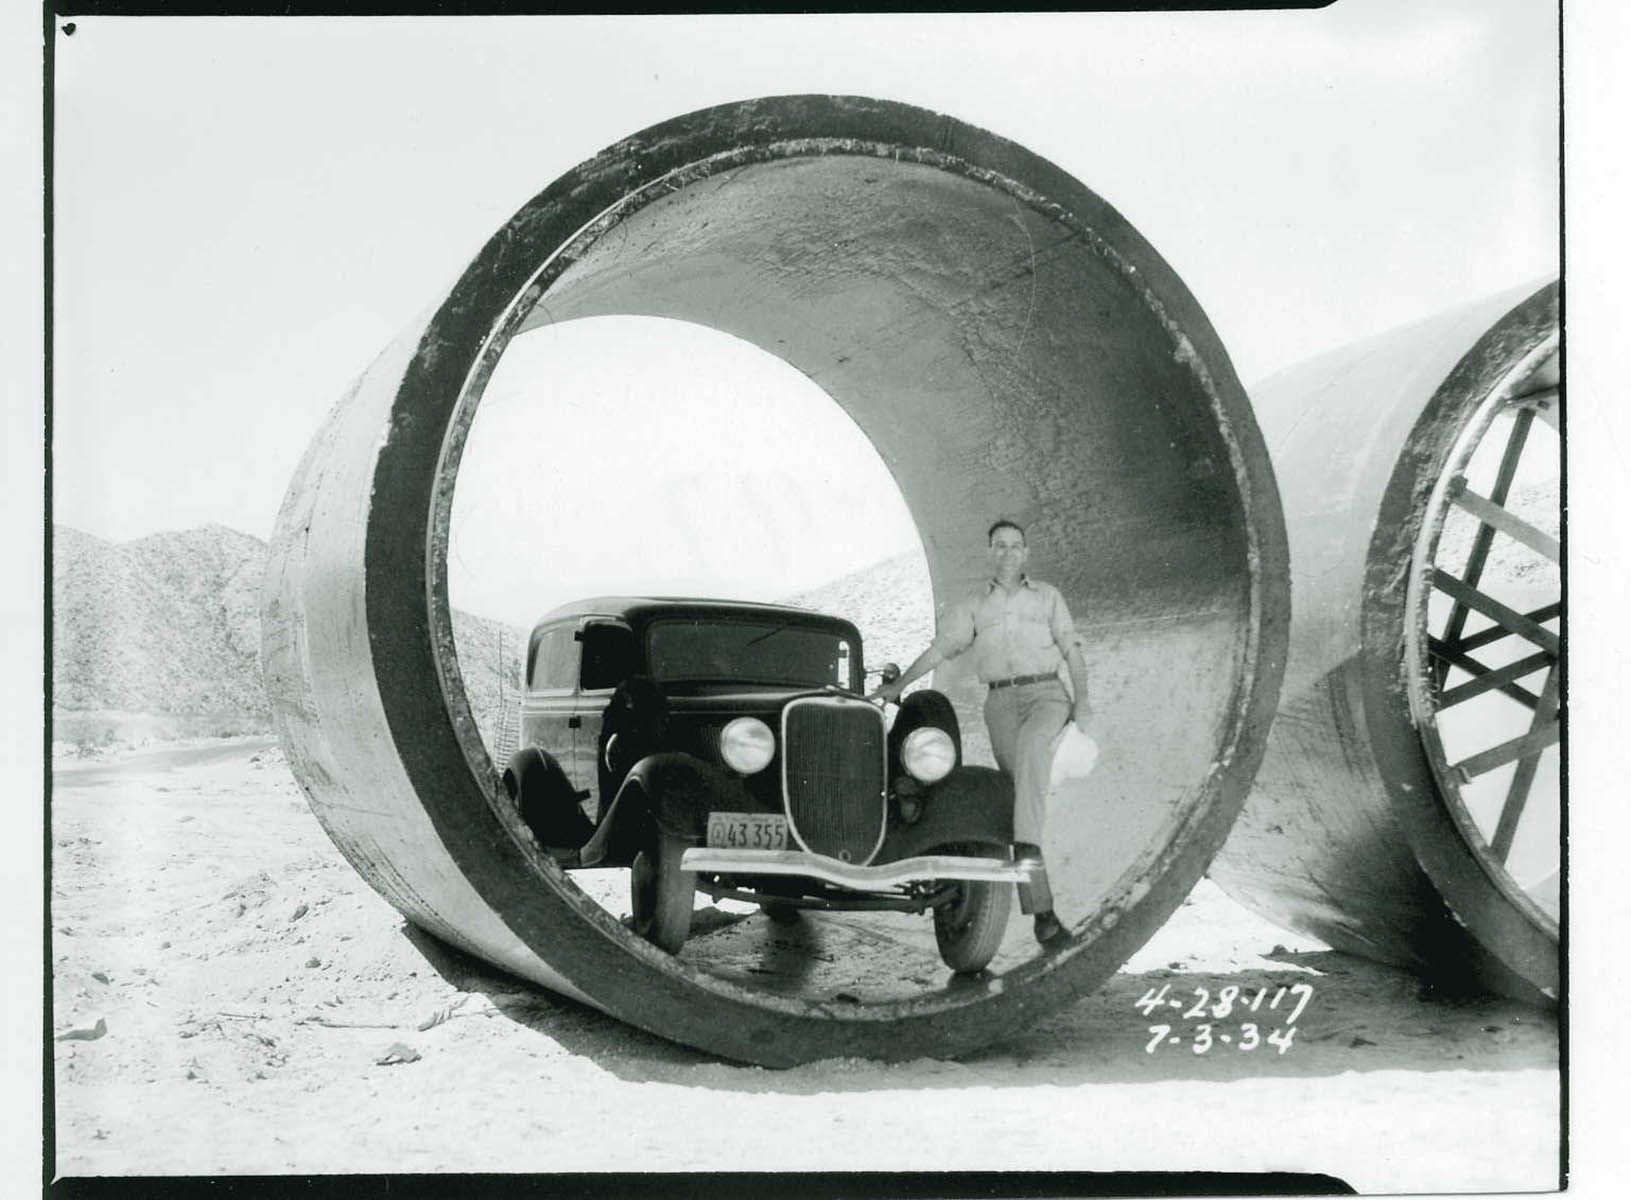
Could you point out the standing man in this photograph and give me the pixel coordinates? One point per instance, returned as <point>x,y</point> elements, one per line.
<point>1021,633</point>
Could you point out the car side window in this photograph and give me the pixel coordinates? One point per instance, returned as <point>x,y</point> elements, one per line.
<point>555,660</point>
<point>609,655</point>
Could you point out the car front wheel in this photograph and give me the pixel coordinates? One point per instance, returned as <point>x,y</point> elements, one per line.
<point>968,928</point>
<point>661,895</point>
<point>782,914</point>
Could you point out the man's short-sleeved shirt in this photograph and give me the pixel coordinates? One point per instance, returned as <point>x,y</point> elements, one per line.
<point>1023,632</point>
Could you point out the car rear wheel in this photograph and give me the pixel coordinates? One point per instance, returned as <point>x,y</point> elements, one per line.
<point>661,895</point>
<point>968,928</point>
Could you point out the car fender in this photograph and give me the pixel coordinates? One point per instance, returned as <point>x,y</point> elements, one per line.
<point>971,806</point>
<point>672,791</point>
<point>924,707</point>
<point>546,799</point>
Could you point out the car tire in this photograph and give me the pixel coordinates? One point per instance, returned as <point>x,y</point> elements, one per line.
<point>782,914</point>
<point>968,928</point>
<point>661,895</point>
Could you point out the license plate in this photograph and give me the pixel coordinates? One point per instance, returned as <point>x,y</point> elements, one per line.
<point>747,831</point>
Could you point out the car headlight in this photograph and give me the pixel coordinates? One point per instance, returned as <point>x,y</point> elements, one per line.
<point>747,745</point>
<point>928,754</point>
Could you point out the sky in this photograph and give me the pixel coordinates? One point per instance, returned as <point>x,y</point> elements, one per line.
<point>249,210</point>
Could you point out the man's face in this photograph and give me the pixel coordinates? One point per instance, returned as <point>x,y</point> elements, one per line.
<point>1008,554</point>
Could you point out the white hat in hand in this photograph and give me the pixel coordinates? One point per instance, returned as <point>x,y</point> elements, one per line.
<point>1074,754</point>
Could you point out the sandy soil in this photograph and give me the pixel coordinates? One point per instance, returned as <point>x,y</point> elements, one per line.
<point>231,998</point>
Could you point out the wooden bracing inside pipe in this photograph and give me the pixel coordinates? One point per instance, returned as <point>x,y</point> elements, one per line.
<point>1453,648</point>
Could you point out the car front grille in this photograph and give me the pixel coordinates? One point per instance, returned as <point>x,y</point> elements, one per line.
<point>833,775</point>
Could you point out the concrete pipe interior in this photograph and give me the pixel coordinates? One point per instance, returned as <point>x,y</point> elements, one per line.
<point>1011,347</point>
<point>1408,806</point>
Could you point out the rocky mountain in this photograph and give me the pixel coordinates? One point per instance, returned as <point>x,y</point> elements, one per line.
<point>889,601</point>
<point>490,662</point>
<point>160,636</point>
<point>164,624</point>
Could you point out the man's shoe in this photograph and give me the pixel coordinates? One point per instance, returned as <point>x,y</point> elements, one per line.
<point>1048,929</point>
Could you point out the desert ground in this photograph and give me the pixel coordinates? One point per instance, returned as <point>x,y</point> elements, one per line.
<point>230,998</point>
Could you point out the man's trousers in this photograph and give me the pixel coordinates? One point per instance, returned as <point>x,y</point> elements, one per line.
<point>1023,721</point>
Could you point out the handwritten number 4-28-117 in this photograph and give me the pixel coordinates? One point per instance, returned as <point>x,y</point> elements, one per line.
<point>1228,999</point>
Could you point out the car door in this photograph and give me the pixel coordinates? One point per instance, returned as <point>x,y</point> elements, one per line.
<point>549,716</point>
<point>610,655</point>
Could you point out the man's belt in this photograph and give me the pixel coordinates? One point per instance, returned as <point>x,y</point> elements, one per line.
<point>1017,680</point>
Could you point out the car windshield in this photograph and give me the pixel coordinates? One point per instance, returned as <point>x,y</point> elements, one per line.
<point>766,651</point>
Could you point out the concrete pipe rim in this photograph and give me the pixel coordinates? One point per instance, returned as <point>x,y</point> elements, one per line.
<point>459,348</point>
<point>1417,643</point>
<point>1399,700</point>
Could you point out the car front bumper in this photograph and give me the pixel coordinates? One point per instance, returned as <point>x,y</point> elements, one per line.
<point>920,869</point>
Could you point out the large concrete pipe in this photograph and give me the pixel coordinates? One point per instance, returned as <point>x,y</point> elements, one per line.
<point>1408,806</point>
<point>1011,346</point>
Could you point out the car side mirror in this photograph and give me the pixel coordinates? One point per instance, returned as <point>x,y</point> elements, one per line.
<point>889,672</point>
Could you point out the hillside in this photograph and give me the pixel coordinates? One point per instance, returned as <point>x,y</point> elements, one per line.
<point>889,601</point>
<point>490,661</point>
<point>160,637</point>
<point>165,624</point>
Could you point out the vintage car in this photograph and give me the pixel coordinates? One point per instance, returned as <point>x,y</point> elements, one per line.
<point>729,747</point>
